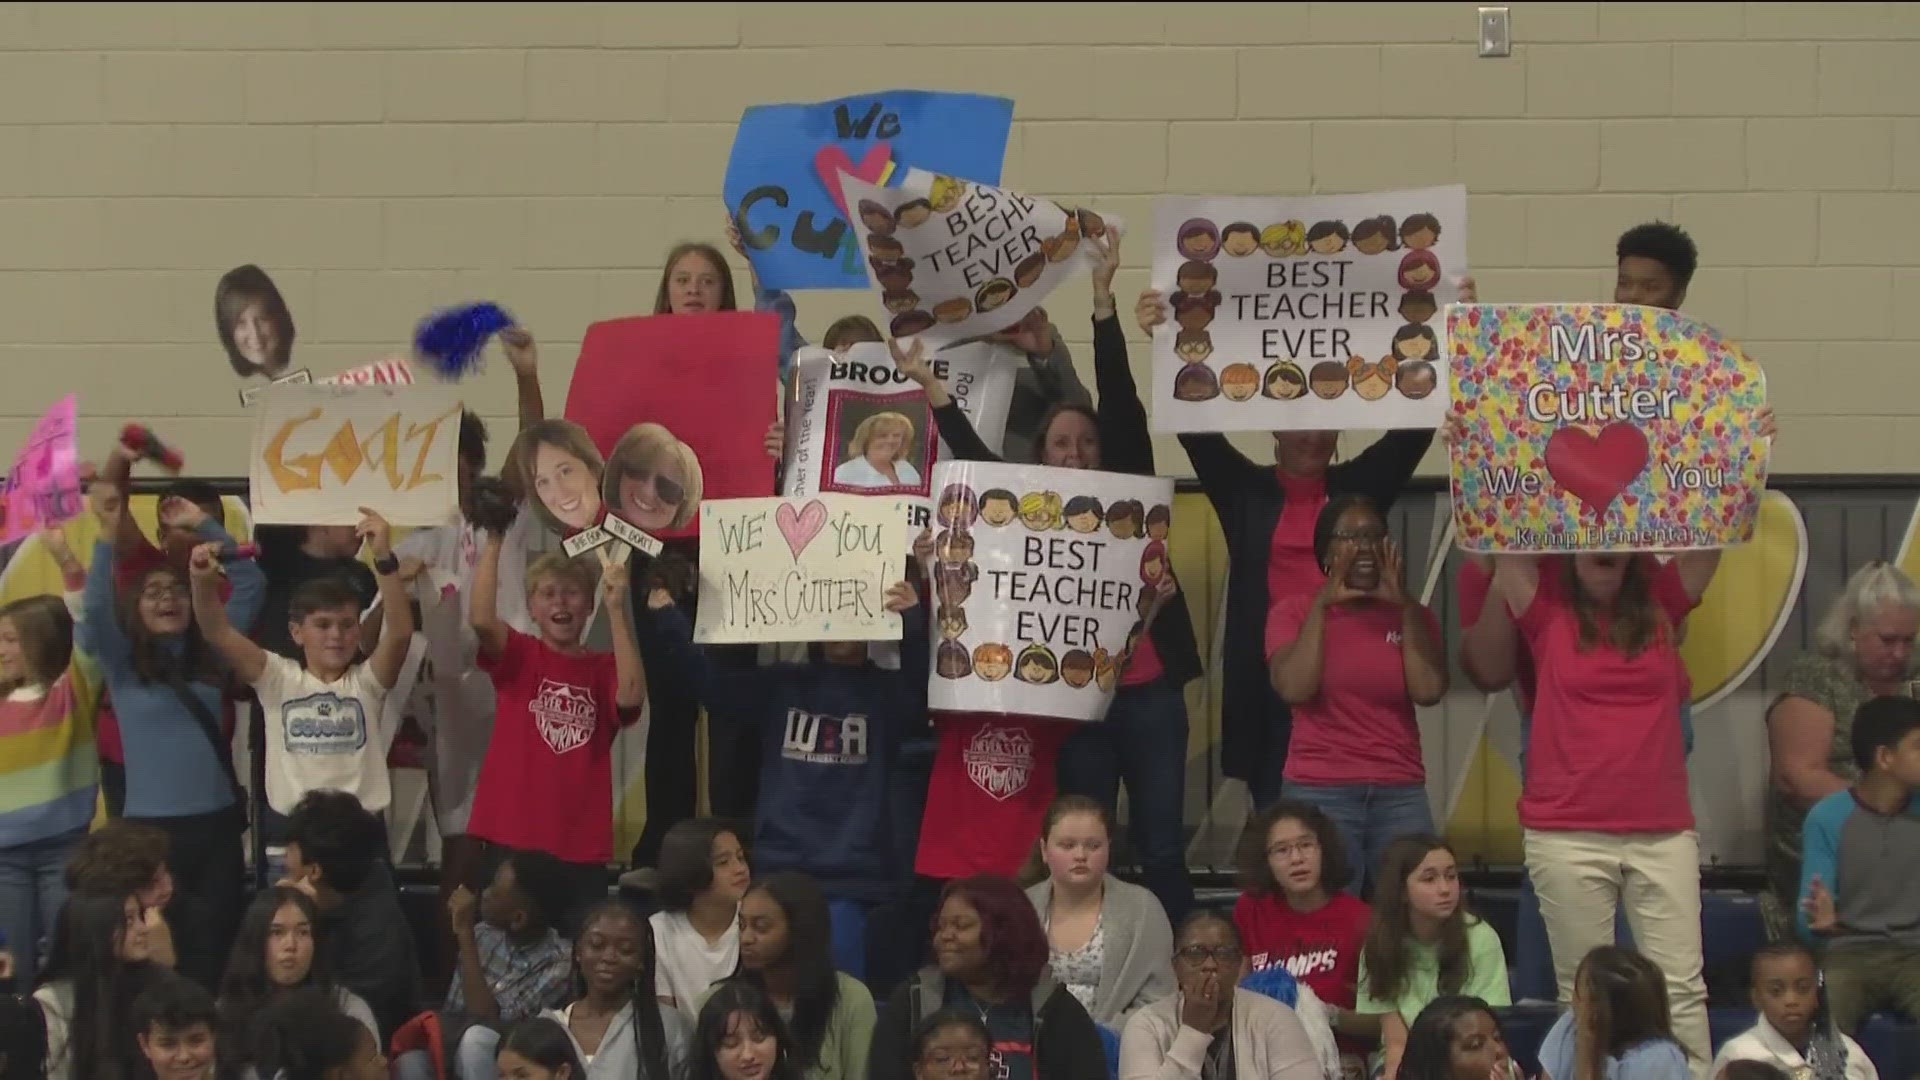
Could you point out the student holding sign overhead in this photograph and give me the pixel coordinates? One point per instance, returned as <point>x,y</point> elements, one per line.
<point>1144,736</point>
<point>1268,514</point>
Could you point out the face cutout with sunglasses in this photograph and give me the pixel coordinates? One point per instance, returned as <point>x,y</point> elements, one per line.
<point>653,480</point>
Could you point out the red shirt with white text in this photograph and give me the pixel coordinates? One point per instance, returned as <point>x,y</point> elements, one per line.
<point>1318,948</point>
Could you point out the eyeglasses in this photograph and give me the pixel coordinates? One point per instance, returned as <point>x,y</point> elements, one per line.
<point>669,489</point>
<point>1199,954</point>
<point>1360,536</point>
<point>1304,847</point>
<point>162,591</point>
<point>951,1059</point>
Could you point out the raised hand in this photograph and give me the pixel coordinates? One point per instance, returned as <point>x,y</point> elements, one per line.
<point>912,360</point>
<point>462,909</point>
<point>1336,590</point>
<point>1821,914</point>
<point>179,513</point>
<point>1108,248</point>
<point>923,546</point>
<point>376,532</point>
<point>205,561</point>
<point>615,580</point>
<point>776,440</point>
<point>1149,311</point>
<point>1393,587</point>
<point>521,352</point>
<point>901,596</point>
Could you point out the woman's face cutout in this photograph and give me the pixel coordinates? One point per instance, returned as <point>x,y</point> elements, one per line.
<point>256,335</point>
<point>651,496</point>
<point>567,487</point>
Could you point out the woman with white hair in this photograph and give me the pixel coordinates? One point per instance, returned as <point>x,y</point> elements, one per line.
<point>878,453</point>
<point>1862,649</point>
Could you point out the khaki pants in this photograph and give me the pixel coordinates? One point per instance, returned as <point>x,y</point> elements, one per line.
<point>1581,877</point>
<point>1868,977</point>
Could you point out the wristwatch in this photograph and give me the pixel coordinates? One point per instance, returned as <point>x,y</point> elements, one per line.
<point>388,565</point>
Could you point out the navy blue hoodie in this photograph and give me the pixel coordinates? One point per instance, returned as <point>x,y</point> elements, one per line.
<point>830,741</point>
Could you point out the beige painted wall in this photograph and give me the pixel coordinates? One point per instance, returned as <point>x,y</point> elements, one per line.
<point>380,159</point>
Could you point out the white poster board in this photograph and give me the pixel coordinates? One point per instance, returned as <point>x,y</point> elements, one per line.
<point>1318,313</point>
<point>956,260</point>
<point>812,569</point>
<point>852,405</point>
<point>322,451</point>
<point>1042,583</point>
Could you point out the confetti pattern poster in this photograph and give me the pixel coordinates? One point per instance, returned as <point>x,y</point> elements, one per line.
<point>1601,427</point>
<point>1045,581</point>
<point>1317,313</point>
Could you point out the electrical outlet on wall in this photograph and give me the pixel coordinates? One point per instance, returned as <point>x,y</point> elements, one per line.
<point>1496,32</point>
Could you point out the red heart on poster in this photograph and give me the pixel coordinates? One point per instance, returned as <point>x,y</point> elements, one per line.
<point>831,161</point>
<point>1597,470</point>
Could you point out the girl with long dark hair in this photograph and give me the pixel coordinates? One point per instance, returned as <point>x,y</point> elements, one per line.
<point>1423,944</point>
<point>275,953</point>
<point>304,1036</point>
<point>786,949</point>
<point>741,1037</point>
<point>98,965</point>
<point>619,1030</point>
<point>1619,1026</point>
<point>539,1049</point>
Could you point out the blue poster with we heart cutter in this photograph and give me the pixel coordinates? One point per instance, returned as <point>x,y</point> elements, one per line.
<point>783,178</point>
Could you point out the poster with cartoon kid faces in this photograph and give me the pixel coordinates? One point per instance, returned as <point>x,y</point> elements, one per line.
<point>1045,581</point>
<point>1319,313</point>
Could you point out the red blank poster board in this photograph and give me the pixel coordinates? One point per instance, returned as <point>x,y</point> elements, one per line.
<point>711,379</point>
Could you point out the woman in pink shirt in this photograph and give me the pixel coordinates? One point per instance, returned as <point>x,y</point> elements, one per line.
<point>1353,658</point>
<point>1605,806</point>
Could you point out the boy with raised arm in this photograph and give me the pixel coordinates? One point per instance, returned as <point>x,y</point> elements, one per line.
<point>547,782</point>
<point>323,715</point>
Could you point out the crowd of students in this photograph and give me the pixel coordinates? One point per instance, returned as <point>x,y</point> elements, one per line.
<point>1351,947</point>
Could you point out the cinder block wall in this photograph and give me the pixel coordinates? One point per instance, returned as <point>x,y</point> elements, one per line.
<point>380,159</point>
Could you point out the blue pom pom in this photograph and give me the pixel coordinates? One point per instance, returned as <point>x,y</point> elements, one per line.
<point>450,341</point>
<point>1273,982</point>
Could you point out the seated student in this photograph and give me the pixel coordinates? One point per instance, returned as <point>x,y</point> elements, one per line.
<point>323,713</point>
<point>1212,1027</point>
<point>742,1037</point>
<point>97,965</point>
<point>279,950</point>
<point>23,1039</point>
<point>547,782</point>
<point>129,858</point>
<point>830,735</point>
<point>786,949</point>
<point>304,1037</point>
<point>1292,913</point>
<point>1108,940</point>
<point>1619,1027</point>
<point>1456,1038</point>
<point>173,1023</point>
<point>952,1044</point>
<point>617,1028</point>
<point>539,1049</point>
<point>1861,860</point>
<point>1795,1032</point>
<point>513,963</point>
<point>696,932</point>
<point>1423,943</point>
<point>333,855</point>
<point>991,957</point>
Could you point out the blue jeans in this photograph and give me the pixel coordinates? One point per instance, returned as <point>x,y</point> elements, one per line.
<point>1143,741</point>
<point>1369,818</point>
<point>33,886</point>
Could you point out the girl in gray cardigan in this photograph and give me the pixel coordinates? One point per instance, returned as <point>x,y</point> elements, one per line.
<point>1109,942</point>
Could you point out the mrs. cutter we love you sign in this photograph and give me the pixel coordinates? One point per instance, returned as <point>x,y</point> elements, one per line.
<point>806,569</point>
<point>1601,427</point>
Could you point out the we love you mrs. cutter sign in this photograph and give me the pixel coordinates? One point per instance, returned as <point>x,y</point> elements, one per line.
<point>1601,427</point>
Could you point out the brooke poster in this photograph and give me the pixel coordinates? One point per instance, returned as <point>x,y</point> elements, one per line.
<point>1313,313</point>
<point>1602,427</point>
<point>1044,581</point>
<point>956,259</point>
<point>783,177</point>
<point>861,427</point>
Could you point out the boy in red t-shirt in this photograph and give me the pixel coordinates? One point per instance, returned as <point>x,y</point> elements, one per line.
<point>547,781</point>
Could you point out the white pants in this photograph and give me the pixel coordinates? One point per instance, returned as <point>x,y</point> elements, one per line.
<point>1581,877</point>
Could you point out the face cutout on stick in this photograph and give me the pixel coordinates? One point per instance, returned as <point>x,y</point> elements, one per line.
<point>561,469</point>
<point>253,323</point>
<point>653,480</point>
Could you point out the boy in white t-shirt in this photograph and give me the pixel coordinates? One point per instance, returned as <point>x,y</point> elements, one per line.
<point>323,717</point>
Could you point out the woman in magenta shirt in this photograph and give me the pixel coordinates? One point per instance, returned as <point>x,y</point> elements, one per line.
<point>1605,806</point>
<point>1353,658</point>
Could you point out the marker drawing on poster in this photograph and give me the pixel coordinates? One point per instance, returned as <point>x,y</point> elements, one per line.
<point>1044,582</point>
<point>1602,427</point>
<point>808,569</point>
<point>321,452</point>
<point>783,184</point>
<point>43,487</point>
<point>860,426</point>
<point>955,259</point>
<point>1305,313</point>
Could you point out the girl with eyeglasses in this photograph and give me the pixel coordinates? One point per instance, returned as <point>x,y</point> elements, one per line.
<point>1354,659</point>
<point>1212,1029</point>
